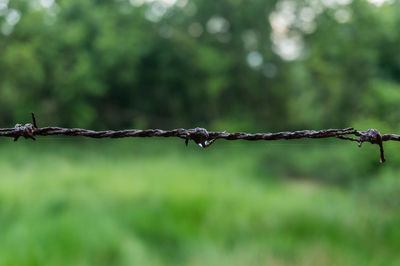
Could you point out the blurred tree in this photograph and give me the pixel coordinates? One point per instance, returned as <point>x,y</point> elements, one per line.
<point>265,65</point>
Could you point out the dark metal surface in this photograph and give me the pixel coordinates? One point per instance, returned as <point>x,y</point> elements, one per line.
<point>201,136</point>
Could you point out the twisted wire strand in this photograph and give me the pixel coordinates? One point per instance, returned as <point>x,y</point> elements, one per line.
<point>180,132</point>
<point>201,136</point>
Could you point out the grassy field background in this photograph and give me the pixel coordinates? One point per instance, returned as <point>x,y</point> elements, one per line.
<point>154,202</point>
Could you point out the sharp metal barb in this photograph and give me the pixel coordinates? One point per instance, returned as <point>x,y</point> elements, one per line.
<point>34,120</point>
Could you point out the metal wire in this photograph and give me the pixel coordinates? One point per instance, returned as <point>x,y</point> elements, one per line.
<point>200,136</point>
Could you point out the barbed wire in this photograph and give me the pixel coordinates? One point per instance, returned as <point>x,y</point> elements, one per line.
<point>201,136</point>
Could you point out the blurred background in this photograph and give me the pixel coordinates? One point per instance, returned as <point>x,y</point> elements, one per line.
<point>232,65</point>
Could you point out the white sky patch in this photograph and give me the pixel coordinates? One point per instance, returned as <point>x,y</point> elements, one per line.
<point>307,27</point>
<point>278,22</point>
<point>168,2</point>
<point>305,21</point>
<point>217,24</point>
<point>291,21</point>
<point>380,2</point>
<point>156,11</point>
<point>285,15</point>
<point>255,59</point>
<point>164,2</point>
<point>289,48</point>
<point>3,6</point>
<point>287,45</point>
<point>330,3</point>
<point>307,14</point>
<point>316,5</point>
<point>158,8</point>
<point>343,15</point>
<point>12,17</point>
<point>46,3</point>
<point>344,2</point>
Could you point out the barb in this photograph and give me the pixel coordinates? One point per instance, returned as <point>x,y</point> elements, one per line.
<point>201,136</point>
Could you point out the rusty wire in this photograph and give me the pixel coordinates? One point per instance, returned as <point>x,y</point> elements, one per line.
<point>201,136</point>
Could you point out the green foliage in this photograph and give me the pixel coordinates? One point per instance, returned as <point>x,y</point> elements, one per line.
<point>153,203</point>
<point>228,64</point>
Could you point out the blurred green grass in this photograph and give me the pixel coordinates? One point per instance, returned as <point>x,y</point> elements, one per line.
<point>155,202</point>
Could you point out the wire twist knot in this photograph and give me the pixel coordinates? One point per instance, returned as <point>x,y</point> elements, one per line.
<point>200,136</point>
<point>27,131</point>
<point>374,137</point>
